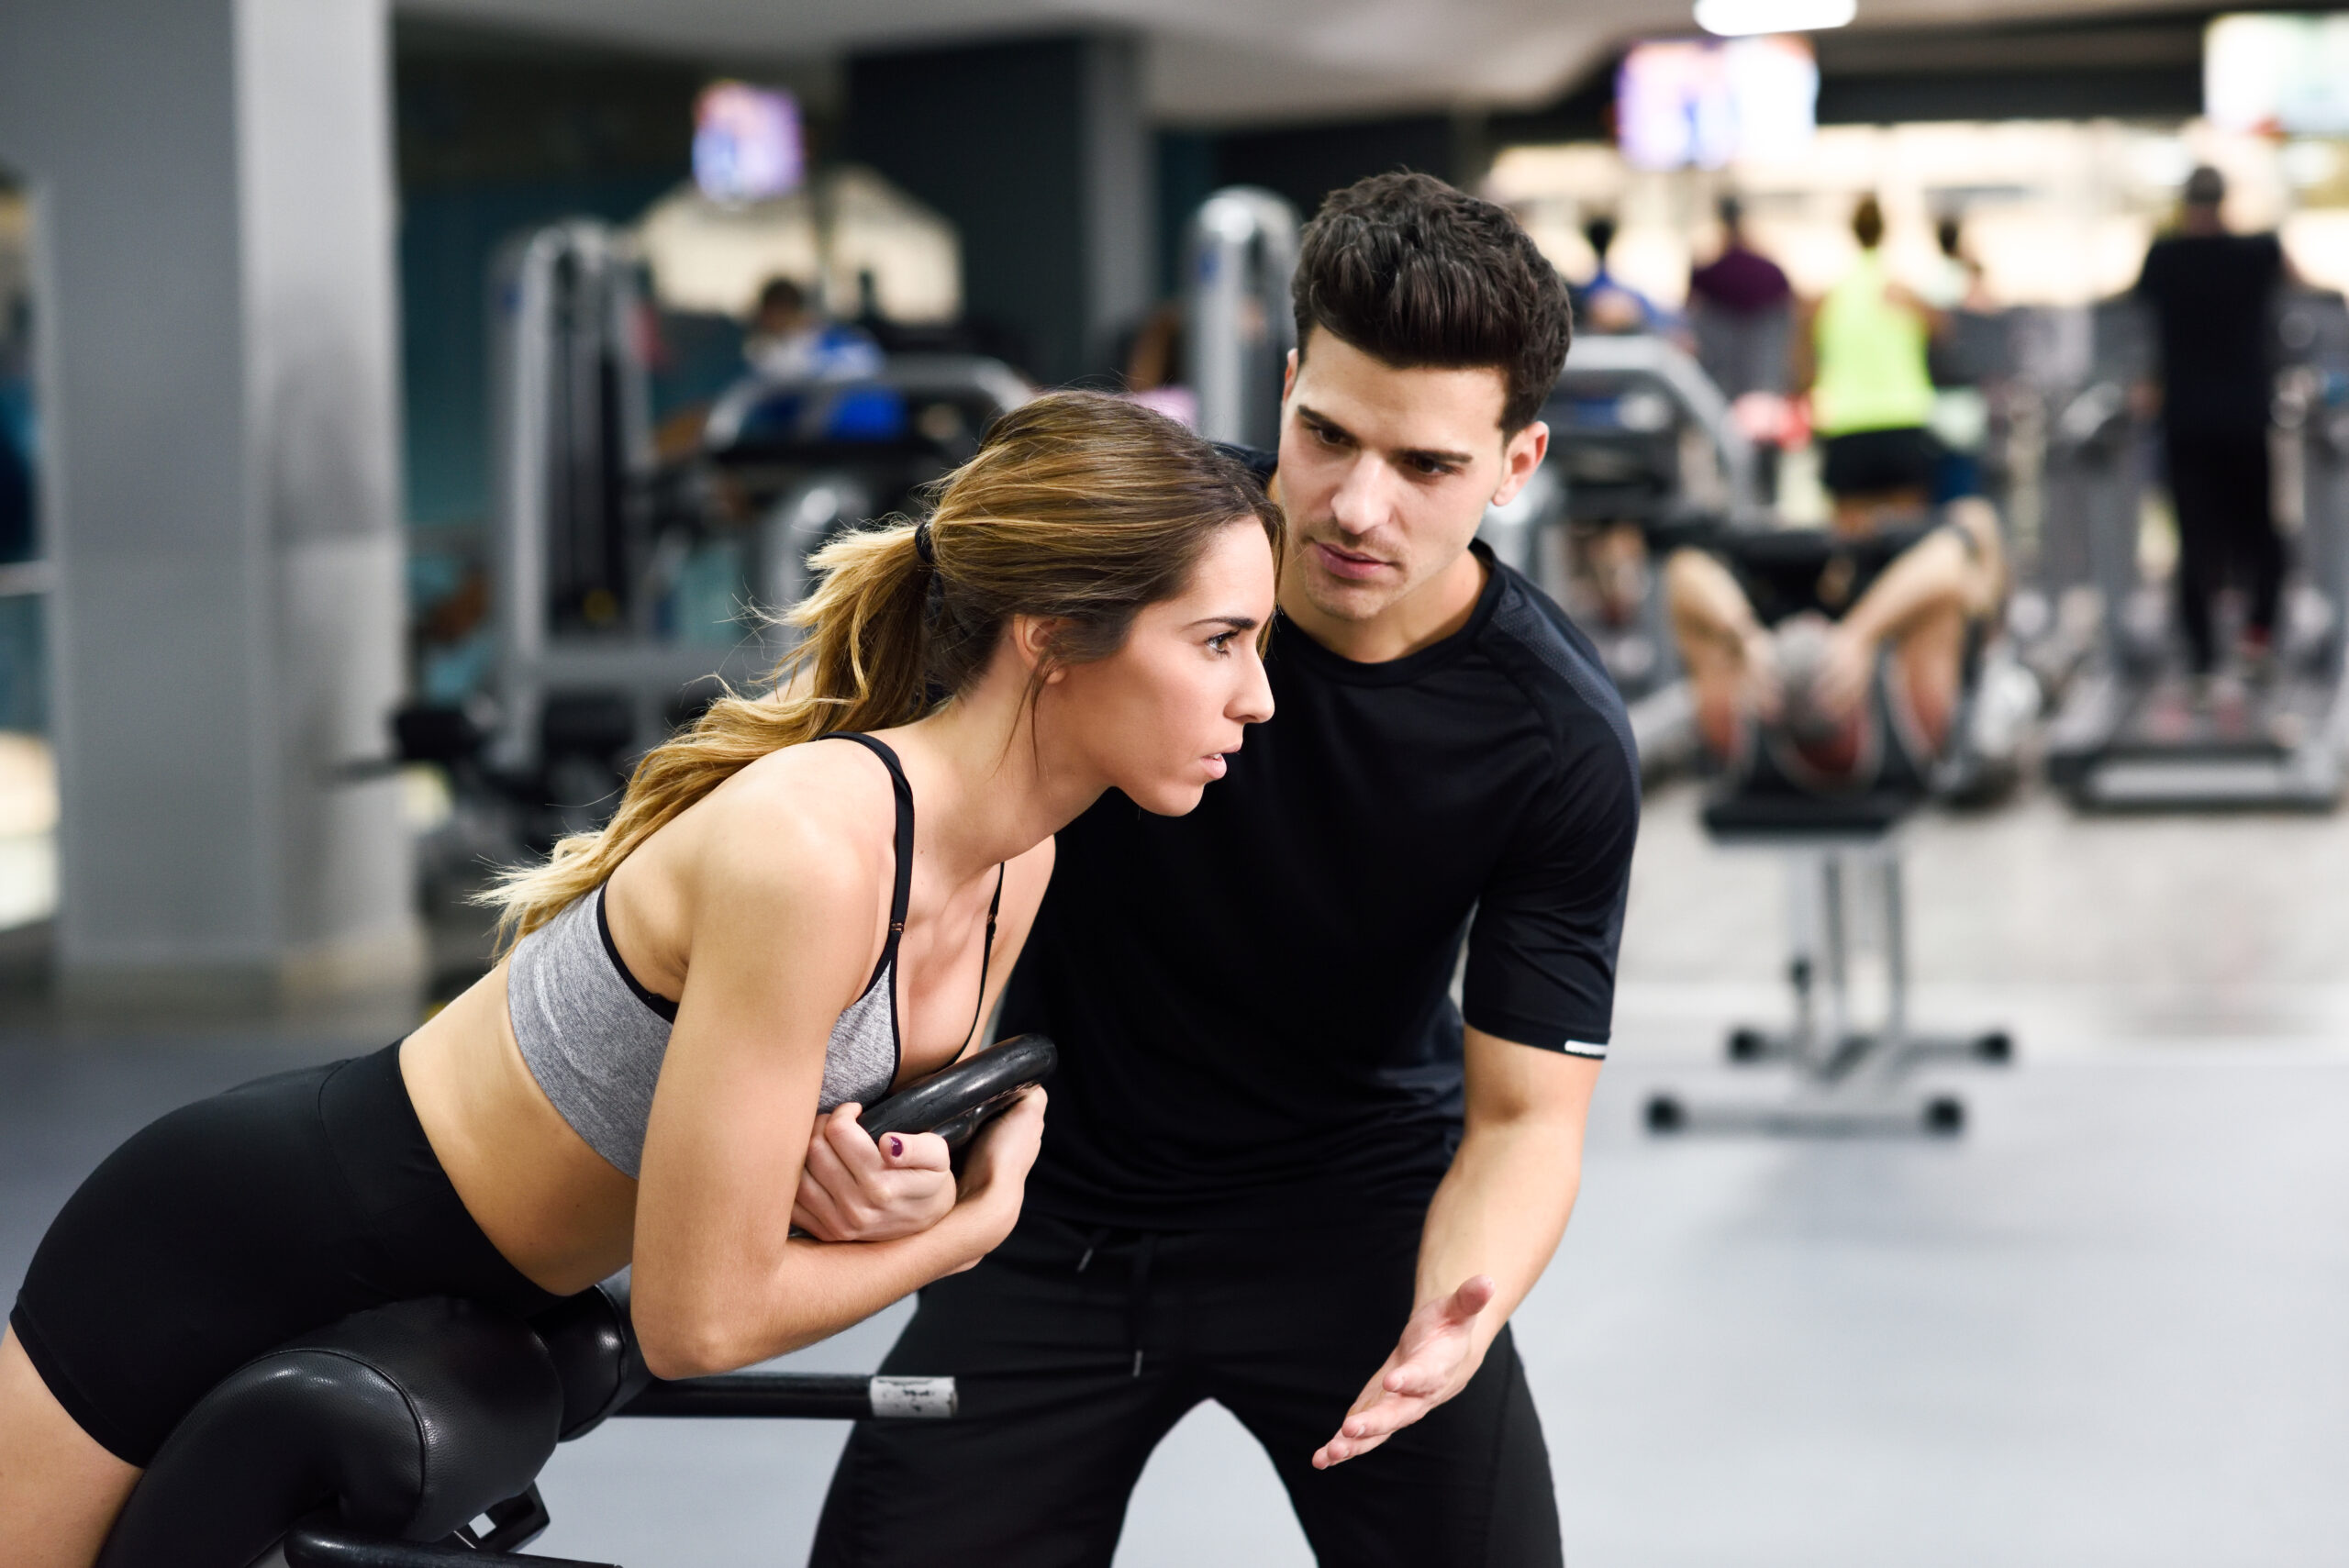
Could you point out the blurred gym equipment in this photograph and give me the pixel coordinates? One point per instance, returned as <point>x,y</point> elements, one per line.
<point>1239,254</point>
<point>2130,735</point>
<point>1643,455</point>
<point>1848,1075</point>
<point>628,592</point>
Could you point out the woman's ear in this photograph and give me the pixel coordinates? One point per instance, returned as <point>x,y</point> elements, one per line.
<point>1032,643</point>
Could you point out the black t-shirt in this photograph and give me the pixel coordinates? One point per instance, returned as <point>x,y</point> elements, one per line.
<point>2213,298</point>
<point>1251,1001</point>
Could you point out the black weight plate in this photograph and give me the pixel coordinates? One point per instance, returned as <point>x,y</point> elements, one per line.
<point>954,1102</point>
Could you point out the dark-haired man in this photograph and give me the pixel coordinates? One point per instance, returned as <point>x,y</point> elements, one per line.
<point>1281,1174</point>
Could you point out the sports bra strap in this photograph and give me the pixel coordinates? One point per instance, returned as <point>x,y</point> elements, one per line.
<point>903,894</point>
<point>902,897</point>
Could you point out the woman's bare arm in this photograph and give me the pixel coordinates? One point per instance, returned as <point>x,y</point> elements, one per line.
<point>782,941</point>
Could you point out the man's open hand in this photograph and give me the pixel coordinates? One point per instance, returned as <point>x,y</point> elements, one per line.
<point>1436,1357</point>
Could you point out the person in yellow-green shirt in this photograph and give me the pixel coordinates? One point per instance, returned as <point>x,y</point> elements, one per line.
<point>1871,394</point>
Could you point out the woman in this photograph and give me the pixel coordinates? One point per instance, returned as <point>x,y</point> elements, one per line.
<point>695,1000</point>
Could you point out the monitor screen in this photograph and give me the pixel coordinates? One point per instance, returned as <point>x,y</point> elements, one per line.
<point>2277,72</point>
<point>1706,103</point>
<point>747,143</point>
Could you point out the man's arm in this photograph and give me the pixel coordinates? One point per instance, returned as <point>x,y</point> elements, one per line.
<point>1495,1220</point>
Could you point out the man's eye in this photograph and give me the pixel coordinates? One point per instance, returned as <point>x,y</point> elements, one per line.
<point>1328,436</point>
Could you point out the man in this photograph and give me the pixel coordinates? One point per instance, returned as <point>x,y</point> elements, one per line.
<point>2212,295</point>
<point>1281,1174</point>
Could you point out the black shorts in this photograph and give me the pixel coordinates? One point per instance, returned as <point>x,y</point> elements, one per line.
<point>1874,462</point>
<point>1077,1349</point>
<point>234,1224</point>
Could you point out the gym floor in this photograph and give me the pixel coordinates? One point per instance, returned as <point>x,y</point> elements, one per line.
<point>2103,1326</point>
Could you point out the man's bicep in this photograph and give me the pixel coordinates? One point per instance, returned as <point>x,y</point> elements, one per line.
<point>1510,1081</point>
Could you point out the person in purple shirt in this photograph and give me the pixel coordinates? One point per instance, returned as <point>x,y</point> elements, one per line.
<point>1741,309</point>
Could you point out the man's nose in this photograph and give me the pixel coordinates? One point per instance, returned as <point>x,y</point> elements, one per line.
<point>1362,502</point>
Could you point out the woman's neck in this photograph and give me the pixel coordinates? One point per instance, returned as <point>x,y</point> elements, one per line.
<point>988,792</point>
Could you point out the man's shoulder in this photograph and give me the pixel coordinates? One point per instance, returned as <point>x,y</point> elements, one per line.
<point>1558,669</point>
<point>1258,461</point>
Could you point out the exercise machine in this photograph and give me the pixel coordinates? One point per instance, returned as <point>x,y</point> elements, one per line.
<point>609,632</point>
<point>2132,734</point>
<point>1846,892</point>
<point>412,1435</point>
<point>1644,457</point>
<point>1239,255</point>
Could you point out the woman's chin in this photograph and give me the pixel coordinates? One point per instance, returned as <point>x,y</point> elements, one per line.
<point>1169,798</point>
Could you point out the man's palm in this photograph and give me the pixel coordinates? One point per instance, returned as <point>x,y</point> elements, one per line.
<point>1432,1361</point>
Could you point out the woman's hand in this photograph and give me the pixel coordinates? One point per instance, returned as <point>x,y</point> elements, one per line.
<point>851,1189</point>
<point>995,1176</point>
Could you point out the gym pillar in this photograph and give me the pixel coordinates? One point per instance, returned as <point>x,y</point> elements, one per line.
<point>1040,152</point>
<point>212,183</point>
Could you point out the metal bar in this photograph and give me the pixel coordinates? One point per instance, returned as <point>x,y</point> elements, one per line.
<point>853,1396</point>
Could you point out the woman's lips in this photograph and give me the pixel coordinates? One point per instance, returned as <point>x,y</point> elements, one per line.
<point>1216,765</point>
<point>1344,564</point>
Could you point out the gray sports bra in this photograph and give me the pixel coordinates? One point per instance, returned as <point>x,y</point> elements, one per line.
<point>593,1038</point>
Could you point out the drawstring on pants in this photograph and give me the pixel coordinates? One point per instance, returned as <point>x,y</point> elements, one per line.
<point>1145,1248</point>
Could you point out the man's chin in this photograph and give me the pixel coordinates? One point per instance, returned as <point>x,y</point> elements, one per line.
<point>1343,600</point>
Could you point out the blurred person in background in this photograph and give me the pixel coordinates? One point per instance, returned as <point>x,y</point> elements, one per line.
<point>2211,295</point>
<point>790,339</point>
<point>1961,417</point>
<point>1871,392</point>
<point>1741,309</point>
<point>1606,304</point>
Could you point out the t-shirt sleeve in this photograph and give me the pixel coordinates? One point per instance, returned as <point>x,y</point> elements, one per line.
<point>1541,951</point>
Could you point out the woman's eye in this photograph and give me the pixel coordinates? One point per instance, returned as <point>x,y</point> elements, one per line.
<point>1221,641</point>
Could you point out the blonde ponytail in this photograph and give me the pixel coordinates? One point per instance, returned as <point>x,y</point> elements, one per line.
<point>1078,508</point>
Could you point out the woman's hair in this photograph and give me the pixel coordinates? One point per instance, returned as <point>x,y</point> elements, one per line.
<point>1867,223</point>
<point>1079,509</point>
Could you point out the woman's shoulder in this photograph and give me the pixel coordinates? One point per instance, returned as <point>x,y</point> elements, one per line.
<point>808,819</point>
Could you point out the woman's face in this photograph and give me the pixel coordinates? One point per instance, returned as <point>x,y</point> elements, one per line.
<point>1157,718</point>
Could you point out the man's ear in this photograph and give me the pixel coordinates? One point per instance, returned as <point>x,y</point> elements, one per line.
<point>1030,638</point>
<point>1288,377</point>
<point>1520,458</point>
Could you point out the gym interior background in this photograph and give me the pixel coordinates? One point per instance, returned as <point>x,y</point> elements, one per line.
<point>326,329</point>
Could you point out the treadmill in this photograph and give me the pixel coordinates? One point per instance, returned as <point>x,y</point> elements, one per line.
<point>2129,736</point>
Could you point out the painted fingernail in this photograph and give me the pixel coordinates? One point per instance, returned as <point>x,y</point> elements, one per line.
<point>896,1146</point>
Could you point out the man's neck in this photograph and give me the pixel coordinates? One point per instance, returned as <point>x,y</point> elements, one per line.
<point>1436,609</point>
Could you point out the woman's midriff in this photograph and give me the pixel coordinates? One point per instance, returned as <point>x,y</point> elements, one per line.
<point>554,1208</point>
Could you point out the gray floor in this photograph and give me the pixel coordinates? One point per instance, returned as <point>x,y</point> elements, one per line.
<point>2102,1327</point>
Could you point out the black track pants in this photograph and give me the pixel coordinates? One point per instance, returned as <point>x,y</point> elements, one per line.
<point>1077,1350</point>
<point>2220,484</point>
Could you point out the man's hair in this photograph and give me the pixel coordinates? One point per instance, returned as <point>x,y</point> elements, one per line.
<point>1418,275</point>
<point>2205,187</point>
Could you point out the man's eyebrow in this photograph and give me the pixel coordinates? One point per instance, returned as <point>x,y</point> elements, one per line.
<point>1454,460</point>
<point>1409,454</point>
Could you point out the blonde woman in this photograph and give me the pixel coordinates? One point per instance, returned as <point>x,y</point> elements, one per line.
<point>692,1003</point>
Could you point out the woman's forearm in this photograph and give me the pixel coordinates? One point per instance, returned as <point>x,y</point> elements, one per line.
<point>814,1290</point>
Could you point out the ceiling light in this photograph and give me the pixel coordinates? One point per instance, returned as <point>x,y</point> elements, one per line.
<point>1736,19</point>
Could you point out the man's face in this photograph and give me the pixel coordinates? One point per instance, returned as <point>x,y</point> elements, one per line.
<point>1386,474</point>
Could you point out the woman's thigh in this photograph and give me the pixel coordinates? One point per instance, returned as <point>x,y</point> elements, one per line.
<point>59,1491</point>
